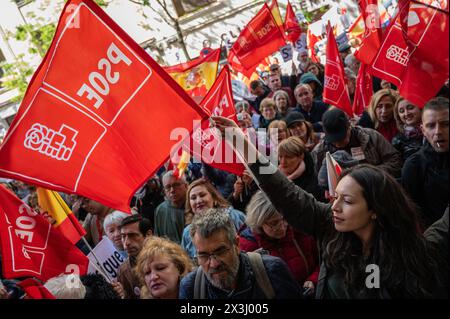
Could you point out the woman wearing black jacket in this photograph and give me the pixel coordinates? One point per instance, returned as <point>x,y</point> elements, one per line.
<point>369,239</point>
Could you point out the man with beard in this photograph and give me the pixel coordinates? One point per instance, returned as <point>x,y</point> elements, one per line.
<point>227,273</point>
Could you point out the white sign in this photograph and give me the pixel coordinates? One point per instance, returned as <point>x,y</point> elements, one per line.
<point>287,53</point>
<point>108,256</point>
<point>300,44</point>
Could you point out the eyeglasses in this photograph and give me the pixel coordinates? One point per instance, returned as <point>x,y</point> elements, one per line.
<point>204,258</point>
<point>277,225</point>
<point>174,185</point>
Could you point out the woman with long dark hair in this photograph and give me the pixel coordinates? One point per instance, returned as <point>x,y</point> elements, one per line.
<point>369,237</point>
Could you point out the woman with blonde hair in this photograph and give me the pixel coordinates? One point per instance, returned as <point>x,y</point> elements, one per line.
<point>160,266</point>
<point>381,111</point>
<point>201,195</point>
<point>408,118</point>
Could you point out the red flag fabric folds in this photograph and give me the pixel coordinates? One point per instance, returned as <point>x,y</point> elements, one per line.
<point>97,116</point>
<point>206,143</point>
<point>31,246</point>
<point>372,34</point>
<point>34,289</point>
<point>363,90</point>
<point>261,37</point>
<point>408,55</point>
<point>335,88</point>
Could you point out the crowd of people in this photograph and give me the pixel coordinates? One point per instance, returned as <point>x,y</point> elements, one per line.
<point>212,234</point>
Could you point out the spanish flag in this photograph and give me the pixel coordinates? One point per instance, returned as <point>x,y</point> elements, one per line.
<point>52,204</point>
<point>276,14</point>
<point>197,76</point>
<point>357,29</point>
<point>183,164</point>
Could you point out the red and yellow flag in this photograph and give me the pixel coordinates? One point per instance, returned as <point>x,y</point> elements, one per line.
<point>197,76</point>
<point>357,29</point>
<point>260,38</point>
<point>52,204</point>
<point>276,14</point>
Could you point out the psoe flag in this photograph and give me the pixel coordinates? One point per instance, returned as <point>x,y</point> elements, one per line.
<point>31,246</point>
<point>196,77</point>
<point>98,114</point>
<point>53,205</point>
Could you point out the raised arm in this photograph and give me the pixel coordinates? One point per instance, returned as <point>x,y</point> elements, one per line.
<point>298,207</point>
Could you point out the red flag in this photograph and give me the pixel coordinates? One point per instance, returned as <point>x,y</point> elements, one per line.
<point>291,24</point>
<point>363,90</point>
<point>260,38</point>
<point>335,91</point>
<point>34,289</point>
<point>31,246</point>
<point>372,34</point>
<point>311,40</point>
<point>206,143</point>
<point>403,62</point>
<point>197,76</point>
<point>98,114</point>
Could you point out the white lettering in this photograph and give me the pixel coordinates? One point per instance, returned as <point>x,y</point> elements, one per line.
<point>98,83</point>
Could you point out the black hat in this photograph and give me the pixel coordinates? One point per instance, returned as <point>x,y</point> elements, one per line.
<point>335,124</point>
<point>293,117</point>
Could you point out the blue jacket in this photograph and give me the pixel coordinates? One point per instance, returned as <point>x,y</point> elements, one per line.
<point>281,279</point>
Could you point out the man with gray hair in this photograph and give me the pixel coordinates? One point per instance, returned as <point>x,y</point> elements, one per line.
<point>311,109</point>
<point>227,273</point>
<point>169,215</point>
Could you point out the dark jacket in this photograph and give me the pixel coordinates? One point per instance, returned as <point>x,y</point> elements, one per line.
<point>314,116</point>
<point>425,178</point>
<point>281,279</point>
<point>223,181</point>
<point>377,150</point>
<point>407,146</point>
<point>257,102</point>
<point>307,215</point>
<point>308,180</point>
<point>241,202</point>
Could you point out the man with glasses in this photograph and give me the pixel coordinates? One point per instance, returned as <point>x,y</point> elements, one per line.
<point>169,215</point>
<point>227,273</point>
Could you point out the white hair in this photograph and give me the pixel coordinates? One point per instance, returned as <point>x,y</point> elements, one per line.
<point>114,218</point>
<point>349,60</point>
<point>66,287</point>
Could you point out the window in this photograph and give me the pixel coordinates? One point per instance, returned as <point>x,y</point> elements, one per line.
<point>183,7</point>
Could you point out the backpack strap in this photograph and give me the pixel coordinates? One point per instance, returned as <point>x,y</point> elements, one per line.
<point>300,251</point>
<point>199,284</point>
<point>261,274</point>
